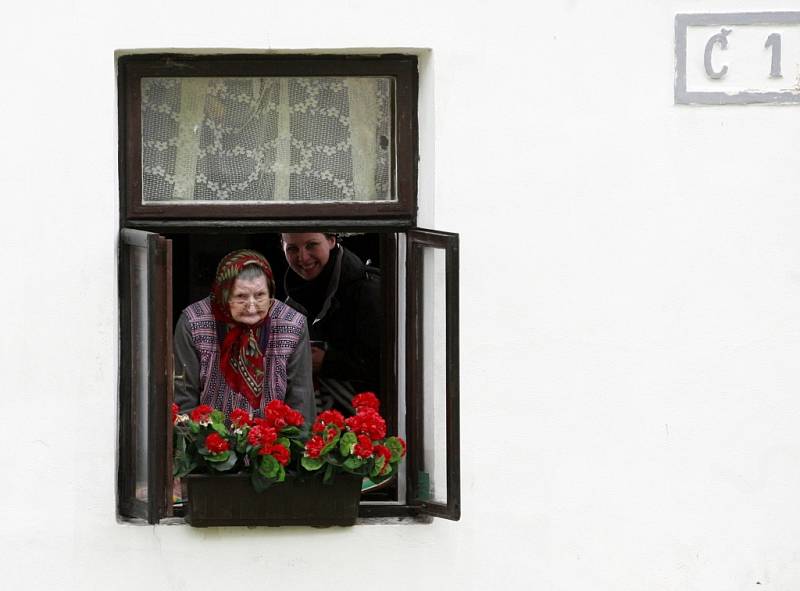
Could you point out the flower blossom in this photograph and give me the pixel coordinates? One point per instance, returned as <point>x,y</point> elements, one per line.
<point>278,415</point>
<point>278,451</point>
<point>202,414</point>
<point>262,435</point>
<point>328,417</point>
<point>216,444</point>
<point>314,446</point>
<point>366,400</point>
<point>240,418</point>
<point>368,422</point>
<point>363,449</point>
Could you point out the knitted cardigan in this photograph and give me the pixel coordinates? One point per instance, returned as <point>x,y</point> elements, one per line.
<point>281,335</point>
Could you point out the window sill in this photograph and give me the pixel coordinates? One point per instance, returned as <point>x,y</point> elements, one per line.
<point>401,520</point>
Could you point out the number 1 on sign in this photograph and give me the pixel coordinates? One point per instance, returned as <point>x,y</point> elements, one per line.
<point>774,41</point>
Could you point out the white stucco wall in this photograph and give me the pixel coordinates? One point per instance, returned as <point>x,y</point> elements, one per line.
<point>630,305</point>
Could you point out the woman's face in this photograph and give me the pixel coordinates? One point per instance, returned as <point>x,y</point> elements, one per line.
<point>307,253</point>
<point>250,299</point>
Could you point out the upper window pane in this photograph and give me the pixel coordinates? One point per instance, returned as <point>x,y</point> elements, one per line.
<point>267,139</point>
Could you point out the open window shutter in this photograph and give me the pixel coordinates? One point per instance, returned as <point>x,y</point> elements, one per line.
<point>434,479</point>
<point>145,454</point>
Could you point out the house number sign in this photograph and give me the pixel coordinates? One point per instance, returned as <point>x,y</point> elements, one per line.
<point>737,58</point>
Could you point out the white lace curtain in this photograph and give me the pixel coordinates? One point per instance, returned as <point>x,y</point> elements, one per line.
<point>266,139</point>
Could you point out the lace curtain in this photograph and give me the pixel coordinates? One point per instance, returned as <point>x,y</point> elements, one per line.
<point>266,139</point>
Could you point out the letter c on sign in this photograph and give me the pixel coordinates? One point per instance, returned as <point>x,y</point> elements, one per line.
<point>722,39</point>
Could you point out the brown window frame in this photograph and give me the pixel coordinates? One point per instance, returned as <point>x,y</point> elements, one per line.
<point>156,300</point>
<point>145,226</point>
<point>402,68</point>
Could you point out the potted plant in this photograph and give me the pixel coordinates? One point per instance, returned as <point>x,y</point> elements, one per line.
<point>241,470</point>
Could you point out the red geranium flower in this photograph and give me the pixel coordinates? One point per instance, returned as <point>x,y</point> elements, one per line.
<point>202,414</point>
<point>240,418</point>
<point>295,418</point>
<point>278,414</point>
<point>382,450</point>
<point>328,417</point>
<point>330,433</point>
<point>279,452</point>
<point>366,400</point>
<point>216,444</point>
<point>275,414</point>
<point>314,446</point>
<point>262,435</point>
<point>363,449</point>
<point>175,410</point>
<point>368,422</point>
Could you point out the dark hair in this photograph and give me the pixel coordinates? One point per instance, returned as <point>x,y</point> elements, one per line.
<point>328,235</point>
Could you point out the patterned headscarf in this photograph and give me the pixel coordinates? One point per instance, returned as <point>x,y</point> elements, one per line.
<point>241,353</point>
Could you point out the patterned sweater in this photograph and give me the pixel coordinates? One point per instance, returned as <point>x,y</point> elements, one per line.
<point>287,362</point>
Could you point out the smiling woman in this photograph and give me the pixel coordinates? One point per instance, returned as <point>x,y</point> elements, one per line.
<point>239,347</point>
<point>342,299</point>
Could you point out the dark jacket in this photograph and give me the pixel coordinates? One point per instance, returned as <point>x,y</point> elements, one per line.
<point>350,320</point>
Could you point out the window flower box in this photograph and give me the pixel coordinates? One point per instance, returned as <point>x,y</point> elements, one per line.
<point>230,499</point>
<point>270,470</point>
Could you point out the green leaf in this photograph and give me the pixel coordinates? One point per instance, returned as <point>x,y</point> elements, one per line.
<point>269,466</point>
<point>328,474</point>
<point>183,465</point>
<point>220,457</point>
<point>395,447</point>
<point>290,431</point>
<point>329,446</point>
<point>347,442</point>
<point>353,463</point>
<point>284,441</point>
<point>217,416</point>
<point>220,428</point>
<point>378,464</point>
<point>379,479</point>
<point>281,474</point>
<point>222,462</point>
<point>311,464</point>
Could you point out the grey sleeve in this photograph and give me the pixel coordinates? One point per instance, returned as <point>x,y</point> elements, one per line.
<point>187,367</point>
<point>299,385</point>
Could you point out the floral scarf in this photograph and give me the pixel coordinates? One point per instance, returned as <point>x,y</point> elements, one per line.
<point>241,350</point>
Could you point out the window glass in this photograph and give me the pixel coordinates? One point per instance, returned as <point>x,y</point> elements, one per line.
<point>434,371</point>
<point>140,369</point>
<point>267,139</point>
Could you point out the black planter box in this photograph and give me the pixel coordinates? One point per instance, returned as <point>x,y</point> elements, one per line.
<point>217,500</point>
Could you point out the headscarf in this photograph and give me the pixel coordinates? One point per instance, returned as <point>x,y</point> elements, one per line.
<point>241,354</point>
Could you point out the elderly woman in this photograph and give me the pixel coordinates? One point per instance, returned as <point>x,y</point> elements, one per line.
<point>239,347</point>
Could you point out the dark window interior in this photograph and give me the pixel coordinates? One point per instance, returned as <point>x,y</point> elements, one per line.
<point>195,256</point>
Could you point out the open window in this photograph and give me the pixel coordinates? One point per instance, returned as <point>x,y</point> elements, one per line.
<point>432,373</point>
<point>191,192</point>
<point>145,442</point>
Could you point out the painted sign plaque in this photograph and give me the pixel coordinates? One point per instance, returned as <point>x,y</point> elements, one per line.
<point>737,58</point>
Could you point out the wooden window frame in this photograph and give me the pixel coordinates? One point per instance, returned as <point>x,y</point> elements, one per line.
<point>157,447</point>
<point>402,68</point>
<point>390,218</point>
